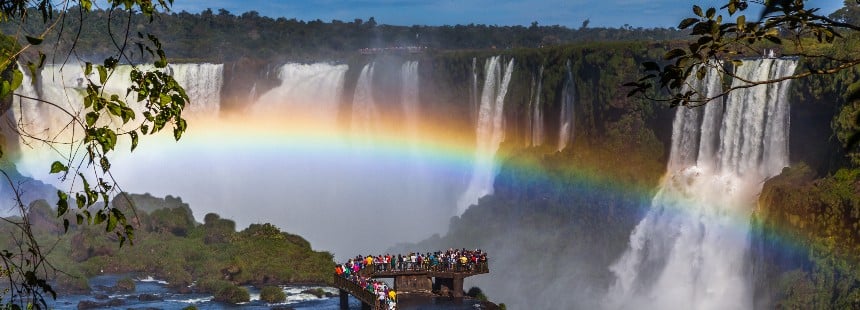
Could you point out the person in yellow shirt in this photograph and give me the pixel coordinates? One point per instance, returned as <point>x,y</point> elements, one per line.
<point>392,295</point>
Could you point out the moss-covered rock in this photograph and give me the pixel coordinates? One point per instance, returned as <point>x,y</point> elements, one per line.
<point>125,285</point>
<point>232,294</point>
<point>272,294</point>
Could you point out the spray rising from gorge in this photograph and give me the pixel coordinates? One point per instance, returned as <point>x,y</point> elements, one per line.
<point>691,249</point>
<point>387,150</point>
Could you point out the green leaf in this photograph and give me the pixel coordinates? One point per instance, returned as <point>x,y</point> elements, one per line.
<point>57,167</point>
<point>687,22</point>
<point>111,224</point>
<point>34,40</point>
<point>711,12</point>
<point>102,74</point>
<point>742,22</point>
<point>675,53</point>
<point>91,118</point>
<point>62,203</point>
<point>134,139</point>
<point>17,78</point>
<point>773,39</point>
<point>81,200</point>
<point>79,218</point>
<point>99,218</point>
<point>697,10</point>
<point>88,68</point>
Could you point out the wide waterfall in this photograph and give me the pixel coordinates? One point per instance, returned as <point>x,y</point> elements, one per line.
<point>301,155</point>
<point>566,117</point>
<point>691,249</point>
<point>490,132</point>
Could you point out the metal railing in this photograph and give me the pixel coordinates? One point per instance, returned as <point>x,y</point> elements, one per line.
<point>406,267</point>
<point>356,291</point>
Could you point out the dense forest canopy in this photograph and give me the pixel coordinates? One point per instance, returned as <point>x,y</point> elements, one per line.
<point>220,36</point>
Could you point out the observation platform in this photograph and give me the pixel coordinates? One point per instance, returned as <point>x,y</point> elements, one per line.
<point>444,282</point>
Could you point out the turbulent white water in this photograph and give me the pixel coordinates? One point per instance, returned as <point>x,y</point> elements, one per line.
<point>490,132</point>
<point>566,117</point>
<point>690,250</point>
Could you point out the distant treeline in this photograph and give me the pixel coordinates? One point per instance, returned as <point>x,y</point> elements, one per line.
<point>221,36</point>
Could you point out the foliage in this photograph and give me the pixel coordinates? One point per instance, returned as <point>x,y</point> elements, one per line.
<point>260,255</point>
<point>233,294</point>
<point>822,215</point>
<point>477,293</point>
<point>272,294</point>
<point>220,36</point>
<point>718,43</point>
<point>92,132</point>
<point>125,285</point>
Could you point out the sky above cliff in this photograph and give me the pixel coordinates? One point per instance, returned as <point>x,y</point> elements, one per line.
<point>571,13</point>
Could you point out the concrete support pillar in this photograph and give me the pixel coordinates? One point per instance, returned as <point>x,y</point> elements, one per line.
<point>457,289</point>
<point>344,299</point>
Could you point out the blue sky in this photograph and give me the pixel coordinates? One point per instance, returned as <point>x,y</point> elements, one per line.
<point>610,13</point>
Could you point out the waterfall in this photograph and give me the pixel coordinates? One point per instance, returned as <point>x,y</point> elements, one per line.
<point>202,83</point>
<point>490,132</point>
<point>537,113</point>
<point>308,93</point>
<point>690,250</point>
<point>473,100</point>
<point>63,86</point>
<point>566,117</point>
<point>364,111</point>
<point>409,98</point>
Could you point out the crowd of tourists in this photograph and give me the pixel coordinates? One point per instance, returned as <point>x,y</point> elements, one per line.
<point>452,260</point>
<point>385,296</point>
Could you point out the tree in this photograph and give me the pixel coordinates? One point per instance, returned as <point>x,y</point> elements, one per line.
<point>94,128</point>
<point>850,13</point>
<point>719,43</point>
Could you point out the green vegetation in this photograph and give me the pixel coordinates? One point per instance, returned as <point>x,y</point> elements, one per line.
<point>220,36</point>
<point>170,245</point>
<point>91,133</point>
<point>125,285</point>
<point>822,217</point>
<point>272,294</point>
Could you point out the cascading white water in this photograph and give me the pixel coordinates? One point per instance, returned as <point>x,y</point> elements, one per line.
<point>409,98</point>
<point>365,116</point>
<point>537,133</point>
<point>567,116</point>
<point>474,94</point>
<point>308,93</point>
<point>287,159</point>
<point>689,252</point>
<point>62,85</point>
<point>490,132</point>
<point>202,83</point>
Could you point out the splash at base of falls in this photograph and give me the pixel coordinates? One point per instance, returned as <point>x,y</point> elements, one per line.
<point>690,250</point>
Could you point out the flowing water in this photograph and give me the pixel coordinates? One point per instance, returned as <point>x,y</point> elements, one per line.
<point>691,249</point>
